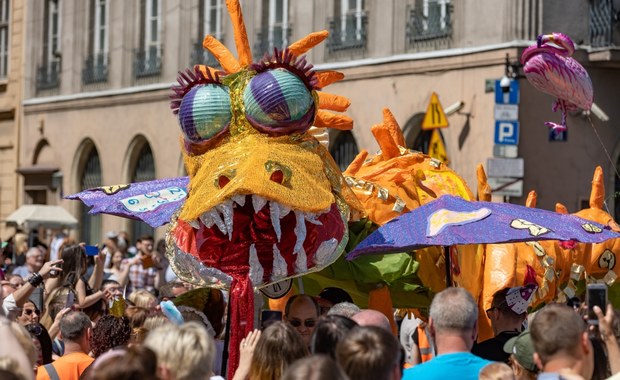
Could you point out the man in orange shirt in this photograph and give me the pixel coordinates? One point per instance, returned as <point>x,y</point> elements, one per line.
<point>75,330</point>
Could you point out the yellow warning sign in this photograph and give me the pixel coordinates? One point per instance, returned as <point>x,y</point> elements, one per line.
<point>435,117</point>
<point>436,148</point>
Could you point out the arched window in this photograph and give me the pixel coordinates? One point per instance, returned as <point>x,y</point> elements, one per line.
<point>344,149</point>
<point>144,170</point>
<point>90,225</point>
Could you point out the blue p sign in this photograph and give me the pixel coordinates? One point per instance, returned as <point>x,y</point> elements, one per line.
<point>506,132</point>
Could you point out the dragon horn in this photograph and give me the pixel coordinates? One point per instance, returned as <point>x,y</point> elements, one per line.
<point>597,195</point>
<point>561,209</point>
<point>484,190</point>
<point>532,197</point>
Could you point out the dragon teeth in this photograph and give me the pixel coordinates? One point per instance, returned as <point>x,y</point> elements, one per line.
<point>239,199</point>
<point>256,270</point>
<point>194,223</point>
<point>275,219</point>
<point>217,219</point>
<point>284,210</point>
<point>280,268</point>
<point>207,219</point>
<point>312,219</point>
<point>301,262</point>
<point>258,203</point>
<point>226,209</point>
<point>324,252</point>
<point>300,231</point>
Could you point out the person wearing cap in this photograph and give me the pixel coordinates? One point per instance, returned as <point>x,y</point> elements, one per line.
<point>507,313</point>
<point>521,351</point>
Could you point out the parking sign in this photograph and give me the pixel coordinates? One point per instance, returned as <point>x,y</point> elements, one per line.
<point>506,132</point>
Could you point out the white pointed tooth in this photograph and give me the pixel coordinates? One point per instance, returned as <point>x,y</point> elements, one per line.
<point>226,208</point>
<point>280,269</point>
<point>239,199</point>
<point>323,255</point>
<point>207,219</point>
<point>300,231</point>
<point>194,223</point>
<point>214,214</point>
<point>258,203</point>
<point>275,219</point>
<point>284,210</point>
<point>301,262</point>
<point>310,217</point>
<point>256,270</point>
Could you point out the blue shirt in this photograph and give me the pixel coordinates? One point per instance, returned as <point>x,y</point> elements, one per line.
<point>457,366</point>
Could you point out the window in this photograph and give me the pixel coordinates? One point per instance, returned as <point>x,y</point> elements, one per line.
<point>344,149</point>
<point>275,30</point>
<point>430,23</point>
<point>48,74</point>
<point>143,171</point>
<point>90,225</point>
<point>148,56</point>
<point>4,38</point>
<point>348,28</point>
<point>209,23</point>
<point>96,64</point>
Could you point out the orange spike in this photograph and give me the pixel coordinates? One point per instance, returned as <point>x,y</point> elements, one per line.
<point>390,121</point>
<point>308,42</point>
<point>333,102</point>
<point>357,163</point>
<point>532,197</point>
<point>389,149</point>
<point>597,195</point>
<point>222,54</point>
<point>241,36</point>
<point>484,190</point>
<point>325,78</point>
<point>326,119</point>
<point>561,209</point>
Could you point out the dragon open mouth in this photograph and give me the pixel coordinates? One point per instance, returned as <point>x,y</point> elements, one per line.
<point>249,234</point>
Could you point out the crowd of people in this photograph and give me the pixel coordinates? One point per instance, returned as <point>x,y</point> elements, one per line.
<point>121,313</point>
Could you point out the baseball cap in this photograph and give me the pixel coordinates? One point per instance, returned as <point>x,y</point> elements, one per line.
<point>522,348</point>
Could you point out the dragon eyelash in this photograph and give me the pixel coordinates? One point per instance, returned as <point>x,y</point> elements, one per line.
<point>187,80</point>
<point>287,60</point>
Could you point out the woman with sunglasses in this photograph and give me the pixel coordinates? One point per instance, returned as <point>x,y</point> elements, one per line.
<point>30,314</point>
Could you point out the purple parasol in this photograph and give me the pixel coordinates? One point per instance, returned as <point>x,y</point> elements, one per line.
<point>451,220</point>
<point>153,202</point>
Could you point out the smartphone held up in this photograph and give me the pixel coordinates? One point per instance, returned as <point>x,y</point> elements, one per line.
<point>596,295</point>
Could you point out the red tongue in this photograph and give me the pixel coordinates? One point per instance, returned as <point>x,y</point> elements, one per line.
<point>241,318</point>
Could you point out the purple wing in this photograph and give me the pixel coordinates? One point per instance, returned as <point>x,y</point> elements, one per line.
<point>153,202</point>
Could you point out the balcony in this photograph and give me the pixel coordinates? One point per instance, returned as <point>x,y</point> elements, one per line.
<point>95,69</point>
<point>147,63</point>
<point>48,75</point>
<point>602,23</point>
<point>348,36</point>
<point>430,31</point>
<point>280,38</point>
<point>201,56</point>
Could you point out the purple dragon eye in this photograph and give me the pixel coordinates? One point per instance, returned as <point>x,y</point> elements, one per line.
<point>204,112</point>
<point>277,102</point>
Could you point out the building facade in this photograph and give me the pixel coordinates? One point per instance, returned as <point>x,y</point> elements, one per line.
<point>97,75</point>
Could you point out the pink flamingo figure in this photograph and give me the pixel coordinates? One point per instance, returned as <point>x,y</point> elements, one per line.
<point>548,66</point>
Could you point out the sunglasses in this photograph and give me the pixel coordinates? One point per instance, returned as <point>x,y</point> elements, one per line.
<point>29,312</point>
<point>306,323</point>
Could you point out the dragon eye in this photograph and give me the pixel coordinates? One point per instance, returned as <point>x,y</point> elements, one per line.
<point>278,103</point>
<point>204,112</point>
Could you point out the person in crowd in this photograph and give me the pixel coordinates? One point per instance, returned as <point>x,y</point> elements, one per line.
<point>346,309</point>
<point>143,298</point>
<point>453,324</point>
<point>328,297</point>
<point>278,346</point>
<point>109,332</point>
<point>183,352</point>
<point>26,344</point>
<point>35,258</point>
<point>506,324</point>
<point>369,317</point>
<point>75,328</point>
<point>370,353</point>
<point>7,288</point>
<point>521,351</point>
<point>135,362</point>
<point>16,281</point>
<point>302,312</point>
<point>148,274</point>
<point>329,330</point>
<point>561,343</point>
<point>30,314</point>
<point>137,316</point>
<point>315,367</point>
<point>43,341</point>
<point>496,371</point>
<point>112,290</point>
<point>20,244</point>
<point>115,270</point>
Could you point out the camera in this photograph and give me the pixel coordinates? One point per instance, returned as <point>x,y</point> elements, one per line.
<point>596,295</point>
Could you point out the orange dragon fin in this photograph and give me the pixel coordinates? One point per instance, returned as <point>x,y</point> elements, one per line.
<point>241,36</point>
<point>325,78</point>
<point>597,195</point>
<point>357,163</point>
<point>484,190</point>
<point>388,146</point>
<point>561,209</point>
<point>229,63</point>
<point>532,197</point>
<point>308,42</point>
<point>390,121</point>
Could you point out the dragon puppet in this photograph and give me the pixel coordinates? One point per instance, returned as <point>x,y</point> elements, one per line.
<point>264,201</point>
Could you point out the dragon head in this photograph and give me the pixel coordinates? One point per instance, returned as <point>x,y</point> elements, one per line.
<point>265,199</point>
